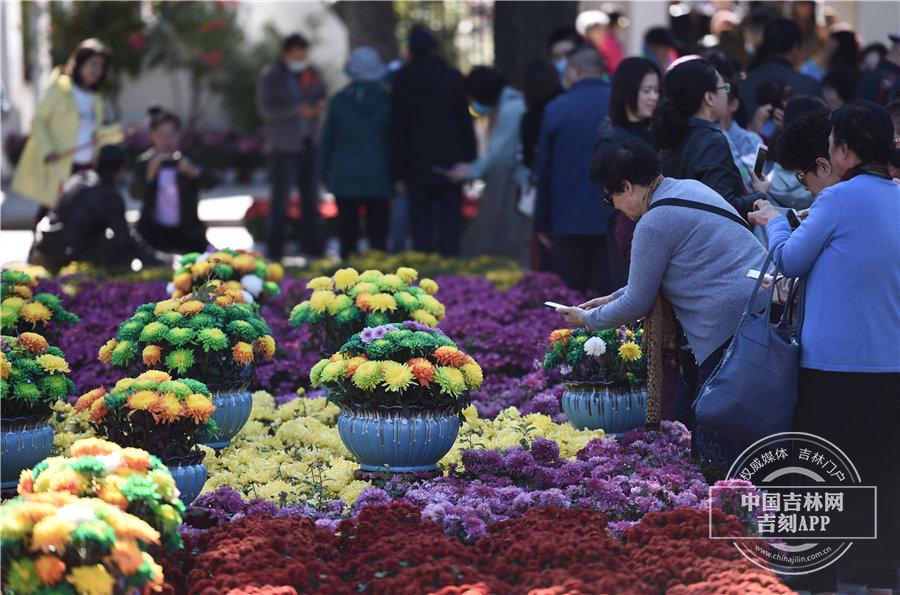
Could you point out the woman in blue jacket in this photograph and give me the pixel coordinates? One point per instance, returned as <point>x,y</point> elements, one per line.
<point>849,392</point>
<point>353,153</point>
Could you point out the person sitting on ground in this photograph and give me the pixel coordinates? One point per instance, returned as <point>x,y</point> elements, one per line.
<point>87,223</point>
<point>169,184</point>
<point>684,260</point>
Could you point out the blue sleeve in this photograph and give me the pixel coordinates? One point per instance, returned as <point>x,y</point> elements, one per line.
<point>796,252</point>
<point>543,220</point>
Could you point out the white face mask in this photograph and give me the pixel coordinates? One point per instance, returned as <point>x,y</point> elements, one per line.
<point>298,66</point>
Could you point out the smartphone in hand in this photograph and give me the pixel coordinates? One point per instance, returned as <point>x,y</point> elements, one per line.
<point>440,170</point>
<point>554,305</point>
<point>792,218</point>
<point>762,152</point>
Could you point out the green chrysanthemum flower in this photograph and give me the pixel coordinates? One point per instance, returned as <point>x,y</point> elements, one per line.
<point>180,360</point>
<point>340,303</point>
<point>260,268</point>
<point>450,380</point>
<point>361,287</point>
<point>49,300</point>
<point>172,318</point>
<point>88,464</point>
<point>300,314</point>
<point>28,392</point>
<point>54,386</point>
<point>367,375</point>
<point>260,325</point>
<point>189,259</point>
<point>241,311</point>
<point>143,316</point>
<point>349,315</point>
<point>223,271</point>
<point>201,321</point>
<point>333,371</point>
<point>139,487</point>
<point>177,387</point>
<point>242,329</point>
<point>380,349</point>
<point>214,310</point>
<point>316,373</point>
<point>377,319</point>
<point>406,300</point>
<point>213,338</point>
<point>153,332</point>
<point>123,353</point>
<point>130,329</point>
<point>180,336</point>
<point>142,384</point>
<point>271,288</point>
<point>195,385</point>
<point>391,283</point>
<point>9,316</point>
<point>114,402</point>
<point>430,304</point>
<point>94,532</point>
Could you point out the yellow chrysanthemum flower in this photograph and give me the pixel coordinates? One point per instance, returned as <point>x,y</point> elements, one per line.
<point>367,375</point>
<point>333,371</point>
<point>51,534</point>
<point>22,291</point>
<point>473,375</point>
<point>629,351</point>
<point>371,273</point>
<point>428,286</point>
<point>407,274</point>
<point>199,407</point>
<point>93,446</point>
<point>123,385</point>
<point>167,305</point>
<point>13,302</point>
<point>244,262</point>
<point>191,307</point>
<point>382,302</point>
<point>320,284</point>
<point>451,380</point>
<point>52,364</point>
<point>105,354</point>
<point>142,400</point>
<point>200,268</point>
<point>344,279</point>
<point>168,408</point>
<point>5,367</point>
<point>265,346</point>
<point>91,580</point>
<point>320,300</point>
<point>33,342</point>
<point>276,272</point>
<point>423,317</point>
<point>339,304</point>
<point>152,355</point>
<point>397,377</point>
<point>154,376</point>
<point>34,312</point>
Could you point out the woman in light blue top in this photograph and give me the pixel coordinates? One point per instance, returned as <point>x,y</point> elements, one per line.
<point>848,249</point>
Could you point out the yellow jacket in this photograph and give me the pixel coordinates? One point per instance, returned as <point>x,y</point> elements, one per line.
<point>54,129</point>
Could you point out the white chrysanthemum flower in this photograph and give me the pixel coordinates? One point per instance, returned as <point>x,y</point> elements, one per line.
<point>111,462</point>
<point>248,299</point>
<point>595,346</point>
<point>76,513</point>
<point>253,284</point>
<point>170,288</point>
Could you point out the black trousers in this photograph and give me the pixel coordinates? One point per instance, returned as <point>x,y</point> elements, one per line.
<point>434,213</point>
<point>860,414</point>
<point>287,169</point>
<point>376,223</point>
<point>178,240</point>
<point>576,258</point>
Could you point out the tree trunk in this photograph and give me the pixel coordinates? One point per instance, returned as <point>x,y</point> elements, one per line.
<point>370,23</point>
<point>521,29</point>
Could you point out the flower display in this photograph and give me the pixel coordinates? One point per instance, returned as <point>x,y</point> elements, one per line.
<point>153,412</point>
<point>129,478</point>
<point>238,269</point>
<point>22,310</point>
<point>55,542</point>
<point>34,376</point>
<point>613,355</point>
<point>408,365</point>
<point>215,341</point>
<point>349,301</point>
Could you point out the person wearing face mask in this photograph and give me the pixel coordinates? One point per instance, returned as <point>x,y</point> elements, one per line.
<point>501,169</point>
<point>562,41</point>
<point>685,128</point>
<point>291,98</point>
<point>66,128</point>
<point>168,183</point>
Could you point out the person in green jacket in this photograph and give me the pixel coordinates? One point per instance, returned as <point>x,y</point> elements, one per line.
<point>354,151</point>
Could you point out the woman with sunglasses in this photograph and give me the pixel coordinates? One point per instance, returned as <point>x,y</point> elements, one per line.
<point>690,259</point>
<point>685,128</point>
<point>847,249</point>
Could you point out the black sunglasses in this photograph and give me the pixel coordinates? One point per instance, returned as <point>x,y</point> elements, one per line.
<point>801,176</point>
<point>607,198</point>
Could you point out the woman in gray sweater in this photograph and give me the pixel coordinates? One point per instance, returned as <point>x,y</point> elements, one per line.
<point>688,261</point>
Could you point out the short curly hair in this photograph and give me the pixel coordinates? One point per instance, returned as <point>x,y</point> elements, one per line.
<point>632,159</point>
<point>804,140</point>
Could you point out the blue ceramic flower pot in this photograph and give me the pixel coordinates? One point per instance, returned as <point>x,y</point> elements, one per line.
<point>23,447</point>
<point>600,406</point>
<point>384,440</point>
<point>189,475</point>
<point>232,412</point>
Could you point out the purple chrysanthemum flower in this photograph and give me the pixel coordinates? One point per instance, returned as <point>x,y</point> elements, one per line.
<point>367,335</point>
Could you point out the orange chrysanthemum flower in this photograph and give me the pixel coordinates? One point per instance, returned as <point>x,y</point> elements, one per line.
<point>336,357</point>
<point>200,268</point>
<point>105,354</point>
<point>98,410</point>
<point>142,400</point>
<point>224,301</point>
<point>35,312</point>
<point>66,480</point>
<point>243,353</point>
<point>422,369</point>
<point>168,408</point>
<point>136,459</point>
<point>449,356</point>
<point>26,482</point>
<point>199,407</point>
<point>562,334</point>
<point>265,346</point>
<point>127,556</point>
<point>129,526</point>
<point>244,263</point>
<point>93,447</point>
<point>191,307</point>
<point>276,272</point>
<point>86,400</point>
<point>34,343</point>
<point>155,376</point>
<point>151,355</point>
<point>49,569</point>
<point>111,493</point>
<point>362,301</point>
<point>233,284</point>
<point>182,281</point>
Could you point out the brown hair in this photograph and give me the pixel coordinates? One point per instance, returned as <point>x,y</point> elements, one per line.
<point>86,50</point>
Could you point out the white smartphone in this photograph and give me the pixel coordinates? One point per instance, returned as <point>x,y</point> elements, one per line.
<point>554,305</point>
<point>754,274</point>
<point>761,152</point>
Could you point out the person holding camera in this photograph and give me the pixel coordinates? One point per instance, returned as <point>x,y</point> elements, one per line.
<point>169,184</point>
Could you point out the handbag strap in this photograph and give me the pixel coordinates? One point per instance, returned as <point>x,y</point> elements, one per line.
<point>680,202</point>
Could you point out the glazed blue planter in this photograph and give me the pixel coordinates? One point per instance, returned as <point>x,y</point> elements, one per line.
<point>602,406</point>
<point>232,412</point>
<point>383,440</point>
<point>189,474</point>
<point>23,447</point>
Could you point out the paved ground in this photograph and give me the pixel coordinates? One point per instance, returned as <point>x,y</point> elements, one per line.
<point>222,208</point>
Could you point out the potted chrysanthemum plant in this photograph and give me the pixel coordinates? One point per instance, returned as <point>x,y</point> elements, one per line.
<point>33,375</point>
<point>401,388</point>
<point>603,373</point>
<point>345,304</point>
<point>208,335</point>
<point>166,417</point>
<point>238,269</point>
<point>22,310</point>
